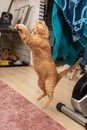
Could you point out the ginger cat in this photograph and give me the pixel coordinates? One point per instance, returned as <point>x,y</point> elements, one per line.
<point>8,55</point>
<point>37,40</point>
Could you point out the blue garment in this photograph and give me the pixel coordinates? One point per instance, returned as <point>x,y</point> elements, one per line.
<point>64,45</point>
<point>75,14</point>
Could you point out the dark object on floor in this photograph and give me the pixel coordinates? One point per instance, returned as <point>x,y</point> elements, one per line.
<point>80,89</point>
<point>78,101</point>
<point>72,114</point>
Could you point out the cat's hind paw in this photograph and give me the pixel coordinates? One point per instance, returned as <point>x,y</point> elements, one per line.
<point>42,96</point>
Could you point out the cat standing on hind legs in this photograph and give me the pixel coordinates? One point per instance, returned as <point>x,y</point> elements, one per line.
<point>37,40</point>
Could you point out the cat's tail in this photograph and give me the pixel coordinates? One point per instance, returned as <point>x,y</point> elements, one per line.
<point>61,74</point>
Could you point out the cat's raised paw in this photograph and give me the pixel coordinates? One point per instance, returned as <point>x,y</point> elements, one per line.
<point>19,27</point>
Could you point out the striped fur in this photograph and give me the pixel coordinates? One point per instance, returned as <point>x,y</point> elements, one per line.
<point>38,41</point>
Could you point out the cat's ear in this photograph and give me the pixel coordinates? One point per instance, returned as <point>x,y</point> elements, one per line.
<point>43,23</point>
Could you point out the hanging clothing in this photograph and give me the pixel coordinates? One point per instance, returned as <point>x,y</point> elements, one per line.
<point>64,45</point>
<point>75,14</point>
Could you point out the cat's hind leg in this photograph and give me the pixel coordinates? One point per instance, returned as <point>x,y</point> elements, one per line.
<point>41,96</point>
<point>41,83</point>
<point>49,87</point>
<point>50,98</point>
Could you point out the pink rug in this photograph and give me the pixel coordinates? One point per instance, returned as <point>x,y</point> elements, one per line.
<point>17,113</point>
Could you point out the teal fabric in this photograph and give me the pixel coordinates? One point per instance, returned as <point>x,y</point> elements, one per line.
<point>64,45</point>
<point>85,28</point>
<point>83,41</point>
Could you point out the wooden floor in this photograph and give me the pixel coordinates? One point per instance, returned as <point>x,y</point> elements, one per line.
<point>24,80</point>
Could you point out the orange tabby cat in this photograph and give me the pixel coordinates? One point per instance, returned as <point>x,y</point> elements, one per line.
<point>7,55</point>
<point>37,40</point>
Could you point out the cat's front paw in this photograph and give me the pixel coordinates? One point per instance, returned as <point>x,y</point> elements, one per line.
<point>19,27</point>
